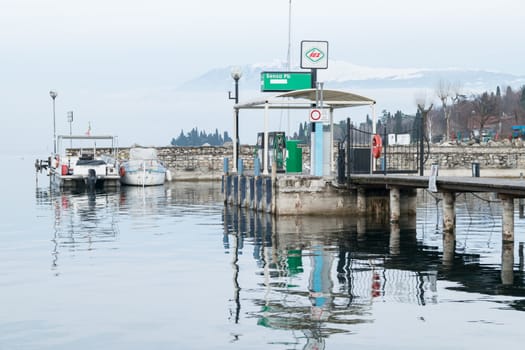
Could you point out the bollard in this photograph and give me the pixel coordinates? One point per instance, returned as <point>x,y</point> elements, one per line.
<point>475,169</point>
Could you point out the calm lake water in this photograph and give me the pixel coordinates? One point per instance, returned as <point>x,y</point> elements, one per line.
<point>171,268</point>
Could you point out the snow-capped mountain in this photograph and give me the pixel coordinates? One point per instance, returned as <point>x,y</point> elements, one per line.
<point>346,75</point>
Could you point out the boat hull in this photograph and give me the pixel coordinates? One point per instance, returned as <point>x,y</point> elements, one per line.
<point>82,182</point>
<point>142,173</point>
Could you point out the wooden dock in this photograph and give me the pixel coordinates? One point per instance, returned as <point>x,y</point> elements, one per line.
<point>510,187</point>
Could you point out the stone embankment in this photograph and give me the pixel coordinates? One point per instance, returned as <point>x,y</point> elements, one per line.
<point>495,159</point>
<point>500,159</point>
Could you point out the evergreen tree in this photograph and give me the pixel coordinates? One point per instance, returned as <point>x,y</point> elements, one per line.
<point>522,98</point>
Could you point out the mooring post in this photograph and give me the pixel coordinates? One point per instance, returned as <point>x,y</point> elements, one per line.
<point>395,205</point>
<point>507,239</point>
<point>449,226</point>
<point>507,219</point>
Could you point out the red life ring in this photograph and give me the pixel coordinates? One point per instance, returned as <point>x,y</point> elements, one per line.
<point>377,146</point>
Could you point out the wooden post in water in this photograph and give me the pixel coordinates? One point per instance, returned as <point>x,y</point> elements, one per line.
<point>507,218</point>
<point>507,237</point>
<point>449,226</point>
<point>395,205</point>
<point>361,201</point>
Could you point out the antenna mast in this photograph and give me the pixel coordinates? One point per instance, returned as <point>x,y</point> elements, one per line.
<point>288,56</point>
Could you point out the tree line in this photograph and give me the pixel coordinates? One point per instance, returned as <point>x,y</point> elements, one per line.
<point>200,138</point>
<point>457,117</point>
<point>460,116</point>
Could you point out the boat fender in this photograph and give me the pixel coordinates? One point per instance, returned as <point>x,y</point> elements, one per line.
<point>168,175</point>
<point>377,146</point>
<point>122,171</point>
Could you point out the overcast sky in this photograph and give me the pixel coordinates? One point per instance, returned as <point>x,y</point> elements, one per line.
<point>117,63</point>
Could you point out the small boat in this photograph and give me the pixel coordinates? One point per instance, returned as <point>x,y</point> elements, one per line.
<point>81,163</point>
<point>143,168</point>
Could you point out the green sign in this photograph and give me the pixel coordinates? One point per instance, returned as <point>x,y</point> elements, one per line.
<point>285,81</point>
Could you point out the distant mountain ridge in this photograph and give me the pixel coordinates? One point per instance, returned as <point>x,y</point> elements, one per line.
<point>346,75</point>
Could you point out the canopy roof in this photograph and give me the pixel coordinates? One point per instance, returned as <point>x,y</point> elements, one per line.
<point>303,99</point>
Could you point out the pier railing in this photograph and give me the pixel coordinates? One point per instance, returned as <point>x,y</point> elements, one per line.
<point>400,152</point>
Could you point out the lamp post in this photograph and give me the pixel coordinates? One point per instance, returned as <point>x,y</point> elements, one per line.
<point>236,74</point>
<point>54,95</point>
<point>70,121</point>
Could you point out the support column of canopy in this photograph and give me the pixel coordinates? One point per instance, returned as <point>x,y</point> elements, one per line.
<point>265,148</point>
<point>235,142</point>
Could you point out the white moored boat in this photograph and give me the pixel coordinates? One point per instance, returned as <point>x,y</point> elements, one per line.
<point>79,164</point>
<point>143,168</point>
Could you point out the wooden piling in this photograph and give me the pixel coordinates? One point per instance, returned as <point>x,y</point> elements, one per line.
<point>449,226</point>
<point>361,201</point>
<point>507,218</point>
<point>395,205</point>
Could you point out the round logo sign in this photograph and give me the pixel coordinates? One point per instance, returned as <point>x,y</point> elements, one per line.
<point>315,115</point>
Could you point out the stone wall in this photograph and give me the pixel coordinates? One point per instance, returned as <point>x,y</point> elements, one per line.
<point>488,156</point>
<point>206,162</point>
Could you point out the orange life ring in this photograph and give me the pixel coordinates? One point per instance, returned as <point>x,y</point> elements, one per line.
<point>377,146</point>
<point>122,171</point>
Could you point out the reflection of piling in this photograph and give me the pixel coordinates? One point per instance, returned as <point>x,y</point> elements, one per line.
<point>395,237</point>
<point>507,263</point>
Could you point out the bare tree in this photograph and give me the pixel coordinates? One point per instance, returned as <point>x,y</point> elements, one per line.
<point>485,106</point>
<point>444,92</point>
<point>421,102</point>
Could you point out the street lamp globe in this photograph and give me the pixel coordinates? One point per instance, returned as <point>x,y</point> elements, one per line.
<point>236,73</point>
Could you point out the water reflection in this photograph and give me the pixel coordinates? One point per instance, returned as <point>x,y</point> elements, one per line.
<point>314,276</point>
<point>322,276</point>
<point>82,221</point>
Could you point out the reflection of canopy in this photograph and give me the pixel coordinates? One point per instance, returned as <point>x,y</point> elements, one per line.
<point>303,99</point>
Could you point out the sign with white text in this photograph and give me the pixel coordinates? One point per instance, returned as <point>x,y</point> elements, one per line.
<point>285,81</point>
